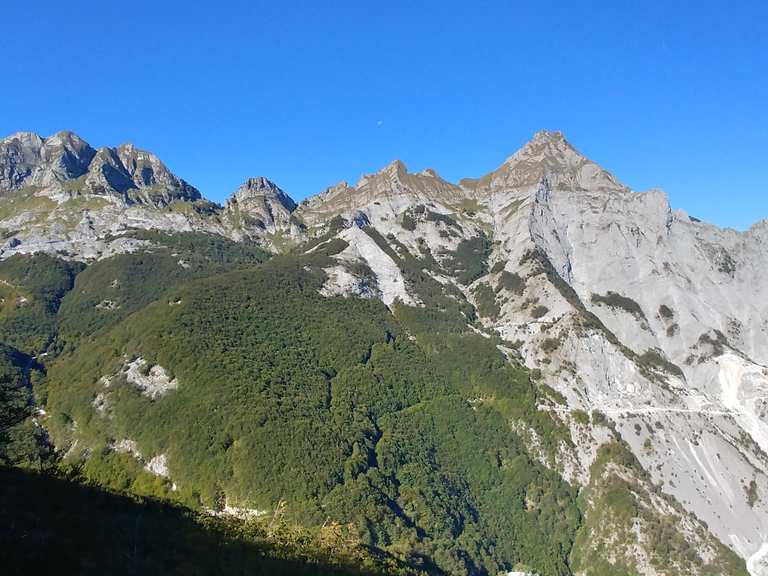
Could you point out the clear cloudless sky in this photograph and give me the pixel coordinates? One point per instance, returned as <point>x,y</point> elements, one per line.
<point>669,94</point>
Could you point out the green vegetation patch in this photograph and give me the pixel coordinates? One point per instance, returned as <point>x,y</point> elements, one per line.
<point>655,360</point>
<point>327,405</point>
<point>31,291</point>
<point>25,200</point>
<point>437,217</point>
<point>470,259</point>
<point>512,282</point>
<point>408,222</point>
<point>445,307</point>
<point>614,300</point>
<point>22,443</point>
<point>539,311</point>
<point>485,299</point>
<point>111,289</point>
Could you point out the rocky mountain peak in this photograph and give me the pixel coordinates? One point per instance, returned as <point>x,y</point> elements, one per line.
<point>396,177</point>
<point>395,168</point>
<point>548,137</point>
<point>26,159</point>
<point>259,206</point>
<point>258,184</point>
<point>138,175</point>
<point>19,154</point>
<point>64,165</point>
<point>548,155</point>
<point>261,190</point>
<point>66,156</point>
<point>28,140</point>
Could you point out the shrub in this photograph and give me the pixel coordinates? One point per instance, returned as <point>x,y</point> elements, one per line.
<point>442,218</point>
<point>751,492</point>
<point>666,312</point>
<point>580,417</point>
<point>511,281</point>
<point>498,267</point>
<point>539,311</point>
<point>470,259</point>
<point>551,344</point>
<point>654,359</point>
<point>485,299</point>
<point>615,300</point>
<point>408,223</point>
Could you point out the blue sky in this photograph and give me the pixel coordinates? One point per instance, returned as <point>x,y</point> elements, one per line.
<point>307,93</point>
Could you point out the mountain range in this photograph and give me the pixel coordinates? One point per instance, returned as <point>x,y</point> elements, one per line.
<point>414,343</point>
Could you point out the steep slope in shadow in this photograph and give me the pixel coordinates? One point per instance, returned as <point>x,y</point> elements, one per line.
<point>52,525</point>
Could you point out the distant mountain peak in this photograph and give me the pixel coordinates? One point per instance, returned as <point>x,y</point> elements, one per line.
<point>547,155</point>
<point>262,191</point>
<point>545,144</point>
<point>55,163</point>
<point>545,135</point>
<point>395,167</point>
<point>259,183</point>
<point>29,138</point>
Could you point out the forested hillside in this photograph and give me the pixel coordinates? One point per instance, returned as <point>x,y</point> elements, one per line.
<point>201,407</point>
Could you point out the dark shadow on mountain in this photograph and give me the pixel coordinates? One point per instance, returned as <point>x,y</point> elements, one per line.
<point>49,525</point>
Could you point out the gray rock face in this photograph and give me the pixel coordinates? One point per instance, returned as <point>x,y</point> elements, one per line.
<point>20,158</point>
<point>679,363</point>
<point>259,206</point>
<point>135,177</point>
<point>385,194</point>
<point>689,299</point>
<point>64,166</point>
<point>59,195</point>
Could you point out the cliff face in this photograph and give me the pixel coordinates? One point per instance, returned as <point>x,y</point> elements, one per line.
<point>642,319</point>
<point>630,310</point>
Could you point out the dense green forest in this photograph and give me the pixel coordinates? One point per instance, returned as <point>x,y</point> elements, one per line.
<point>327,405</point>
<point>360,439</point>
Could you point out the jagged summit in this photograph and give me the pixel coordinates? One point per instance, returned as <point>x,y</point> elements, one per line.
<point>548,155</point>
<point>397,174</point>
<point>549,136</point>
<point>29,138</point>
<point>395,167</point>
<point>258,206</point>
<point>390,189</point>
<point>546,144</point>
<point>261,189</point>
<point>259,183</point>
<point>64,165</point>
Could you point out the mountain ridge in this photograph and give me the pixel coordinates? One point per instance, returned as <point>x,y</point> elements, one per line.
<point>639,318</point>
<point>544,155</point>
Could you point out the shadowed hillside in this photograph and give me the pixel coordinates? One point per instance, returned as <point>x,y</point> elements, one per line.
<point>55,526</point>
